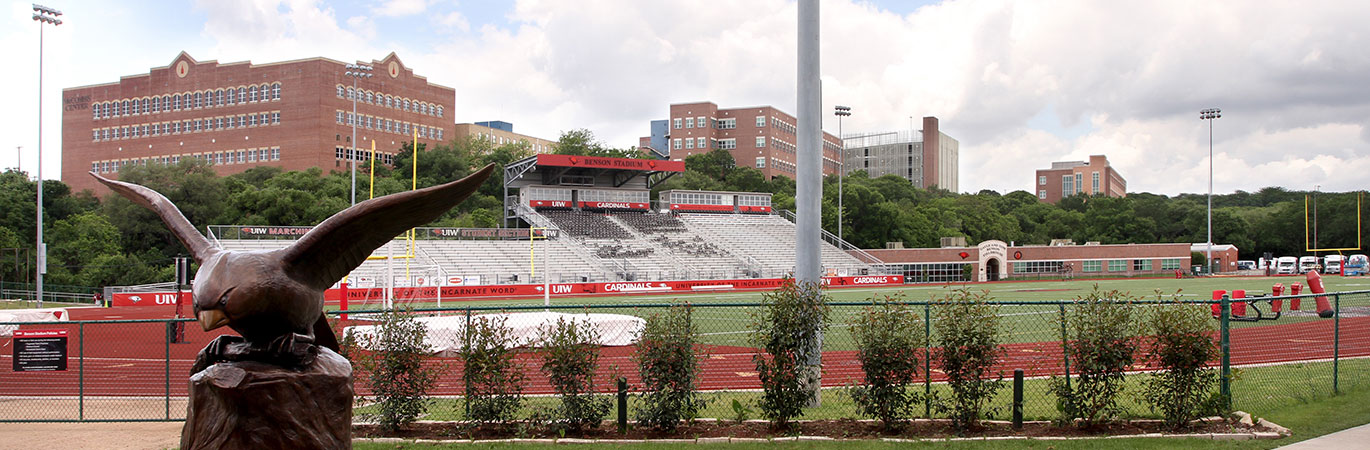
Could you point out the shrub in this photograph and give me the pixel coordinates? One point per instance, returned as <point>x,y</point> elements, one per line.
<point>788,329</point>
<point>889,342</point>
<point>492,378</point>
<point>1182,346</point>
<point>968,334</point>
<point>395,371</point>
<point>668,362</point>
<point>570,355</point>
<point>1102,344</point>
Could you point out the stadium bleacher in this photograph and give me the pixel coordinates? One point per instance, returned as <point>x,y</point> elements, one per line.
<point>608,246</point>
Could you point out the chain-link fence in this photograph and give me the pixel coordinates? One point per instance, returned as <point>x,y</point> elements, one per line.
<point>137,370</point>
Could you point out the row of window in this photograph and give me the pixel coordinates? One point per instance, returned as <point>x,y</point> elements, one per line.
<point>696,198</point>
<point>753,200</point>
<point>542,193</point>
<point>721,124</point>
<point>784,166</point>
<point>361,155</point>
<point>389,101</point>
<point>932,272</point>
<point>1121,265</point>
<point>1039,266</point>
<point>387,125</point>
<point>208,98</point>
<point>243,156</point>
<point>600,195</point>
<point>186,126</point>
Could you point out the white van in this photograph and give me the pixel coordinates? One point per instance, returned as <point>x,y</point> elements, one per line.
<point>1307,263</point>
<point>1286,265</point>
<point>1331,264</point>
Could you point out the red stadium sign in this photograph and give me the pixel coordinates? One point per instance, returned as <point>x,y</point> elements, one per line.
<point>150,298</point>
<point>549,203</point>
<point>614,205</point>
<point>600,162</point>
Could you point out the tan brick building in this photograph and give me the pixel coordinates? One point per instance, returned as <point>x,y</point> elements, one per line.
<point>292,114</point>
<point>762,137</point>
<point>1067,178</point>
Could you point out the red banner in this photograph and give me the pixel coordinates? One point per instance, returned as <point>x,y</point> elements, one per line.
<point>600,162</point>
<point>614,205</point>
<point>150,299</point>
<point>761,209</point>
<point>549,203</point>
<point>19,334</point>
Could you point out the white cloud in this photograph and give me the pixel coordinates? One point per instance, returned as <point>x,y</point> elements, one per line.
<point>1288,76</point>
<point>400,8</point>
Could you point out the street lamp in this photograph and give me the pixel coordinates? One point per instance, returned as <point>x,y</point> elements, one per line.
<point>42,14</point>
<point>1210,114</point>
<point>840,111</point>
<point>355,71</point>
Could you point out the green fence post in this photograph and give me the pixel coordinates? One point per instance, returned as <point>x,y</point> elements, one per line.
<point>81,371</point>
<point>927,360</point>
<point>1225,385</point>
<point>1065,343</point>
<point>1336,343</point>
<point>466,384</point>
<point>622,405</point>
<point>1017,399</point>
<point>167,371</point>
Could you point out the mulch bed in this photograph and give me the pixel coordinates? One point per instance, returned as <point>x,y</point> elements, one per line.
<point>836,429</point>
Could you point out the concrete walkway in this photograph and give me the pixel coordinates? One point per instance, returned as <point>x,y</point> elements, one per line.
<point>1349,438</point>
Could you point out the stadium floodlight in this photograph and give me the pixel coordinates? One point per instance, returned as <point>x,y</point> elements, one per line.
<point>841,111</point>
<point>355,71</point>
<point>42,15</point>
<point>1210,114</point>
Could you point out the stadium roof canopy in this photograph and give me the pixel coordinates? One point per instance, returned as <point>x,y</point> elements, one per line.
<point>589,171</point>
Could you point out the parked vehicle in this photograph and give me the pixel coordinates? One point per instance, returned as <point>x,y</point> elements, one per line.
<point>1355,265</point>
<point>1246,265</point>
<point>1307,263</point>
<point>1286,265</point>
<point>1332,263</point>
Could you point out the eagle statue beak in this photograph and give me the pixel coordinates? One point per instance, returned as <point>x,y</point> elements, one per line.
<point>212,318</point>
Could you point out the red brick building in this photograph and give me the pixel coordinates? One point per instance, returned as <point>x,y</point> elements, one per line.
<point>292,114</point>
<point>762,137</point>
<point>1067,178</point>
<point>995,260</point>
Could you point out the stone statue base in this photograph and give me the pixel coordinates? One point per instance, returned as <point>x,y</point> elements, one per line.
<point>254,405</point>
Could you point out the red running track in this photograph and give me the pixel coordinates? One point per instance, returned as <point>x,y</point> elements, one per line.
<point>130,359</point>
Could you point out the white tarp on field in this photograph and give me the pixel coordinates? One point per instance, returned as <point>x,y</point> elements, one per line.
<point>30,315</point>
<point>445,332</point>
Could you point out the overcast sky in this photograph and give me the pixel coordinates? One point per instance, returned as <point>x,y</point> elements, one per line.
<point>1019,84</point>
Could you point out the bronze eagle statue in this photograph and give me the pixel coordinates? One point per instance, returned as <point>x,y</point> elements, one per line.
<point>274,299</point>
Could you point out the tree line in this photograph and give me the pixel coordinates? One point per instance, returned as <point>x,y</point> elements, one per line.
<point>110,241</point>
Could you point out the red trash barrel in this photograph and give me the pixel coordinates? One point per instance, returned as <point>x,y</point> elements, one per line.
<point>1239,303</point>
<point>1217,307</point>
<point>1295,289</point>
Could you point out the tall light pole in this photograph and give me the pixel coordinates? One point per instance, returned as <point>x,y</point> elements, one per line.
<point>1210,114</point>
<point>841,111</point>
<point>355,71</point>
<point>42,15</point>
